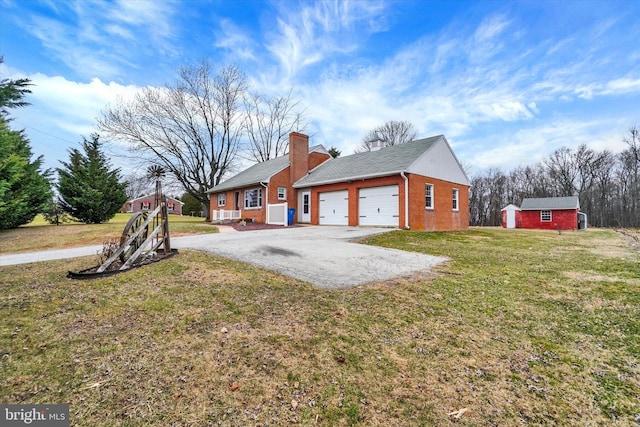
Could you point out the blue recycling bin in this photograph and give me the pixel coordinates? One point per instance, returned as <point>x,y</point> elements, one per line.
<point>291,213</point>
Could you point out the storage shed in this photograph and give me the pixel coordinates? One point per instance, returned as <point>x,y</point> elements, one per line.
<point>511,217</point>
<point>552,213</point>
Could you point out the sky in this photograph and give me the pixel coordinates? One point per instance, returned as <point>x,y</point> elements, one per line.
<point>506,82</point>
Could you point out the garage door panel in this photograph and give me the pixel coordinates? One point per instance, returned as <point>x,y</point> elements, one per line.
<point>334,208</point>
<point>379,206</point>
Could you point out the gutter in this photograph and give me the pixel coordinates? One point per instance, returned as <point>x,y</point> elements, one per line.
<point>344,179</point>
<point>266,200</point>
<point>406,200</point>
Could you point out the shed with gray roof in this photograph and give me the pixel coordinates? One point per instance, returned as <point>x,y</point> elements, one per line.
<point>546,213</point>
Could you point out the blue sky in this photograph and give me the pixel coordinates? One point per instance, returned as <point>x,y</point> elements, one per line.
<point>507,82</point>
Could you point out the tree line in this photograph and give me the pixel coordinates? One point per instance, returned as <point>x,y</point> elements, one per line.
<point>607,184</point>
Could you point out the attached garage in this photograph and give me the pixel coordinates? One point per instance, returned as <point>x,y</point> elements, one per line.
<point>334,208</point>
<point>379,206</point>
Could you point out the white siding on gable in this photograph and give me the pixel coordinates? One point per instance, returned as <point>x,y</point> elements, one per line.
<point>440,162</point>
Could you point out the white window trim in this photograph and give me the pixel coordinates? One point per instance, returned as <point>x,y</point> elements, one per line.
<point>455,196</point>
<point>284,193</point>
<point>259,201</point>
<point>431,196</point>
<point>542,216</point>
<point>222,199</point>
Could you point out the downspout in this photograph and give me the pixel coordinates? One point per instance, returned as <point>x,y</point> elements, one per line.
<point>406,201</point>
<point>266,202</point>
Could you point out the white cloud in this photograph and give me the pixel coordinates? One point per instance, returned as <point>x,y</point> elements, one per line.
<point>623,85</point>
<point>308,35</point>
<point>233,39</point>
<point>63,111</point>
<point>97,38</point>
<point>530,145</point>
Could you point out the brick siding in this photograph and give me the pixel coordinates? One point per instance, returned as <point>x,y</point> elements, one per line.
<point>566,219</point>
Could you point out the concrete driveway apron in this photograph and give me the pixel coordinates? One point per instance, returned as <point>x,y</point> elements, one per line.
<point>325,256</point>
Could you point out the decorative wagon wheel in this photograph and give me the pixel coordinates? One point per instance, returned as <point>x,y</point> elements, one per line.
<point>134,224</point>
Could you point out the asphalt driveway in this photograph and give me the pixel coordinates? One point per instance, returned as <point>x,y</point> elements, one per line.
<point>322,255</point>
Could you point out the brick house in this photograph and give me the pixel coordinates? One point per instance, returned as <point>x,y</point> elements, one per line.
<point>545,213</point>
<point>147,204</point>
<point>418,185</point>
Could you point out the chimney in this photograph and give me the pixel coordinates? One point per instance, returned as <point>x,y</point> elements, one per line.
<point>298,155</point>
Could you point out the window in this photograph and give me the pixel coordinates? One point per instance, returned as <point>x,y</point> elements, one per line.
<point>253,198</point>
<point>222,199</point>
<point>454,199</point>
<point>145,206</point>
<point>428,194</point>
<point>169,206</point>
<point>545,216</point>
<point>305,203</point>
<point>282,193</point>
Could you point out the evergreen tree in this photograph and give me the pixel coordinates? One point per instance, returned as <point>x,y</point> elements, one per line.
<point>191,204</point>
<point>24,190</point>
<point>12,93</point>
<point>53,213</point>
<point>334,152</point>
<point>90,190</point>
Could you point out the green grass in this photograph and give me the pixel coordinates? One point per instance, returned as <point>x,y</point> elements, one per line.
<point>38,235</point>
<point>519,327</point>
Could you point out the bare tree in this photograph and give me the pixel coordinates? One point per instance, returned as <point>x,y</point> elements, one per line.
<point>137,185</point>
<point>268,123</point>
<point>563,171</point>
<point>192,128</point>
<point>607,184</point>
<point>391,133</point>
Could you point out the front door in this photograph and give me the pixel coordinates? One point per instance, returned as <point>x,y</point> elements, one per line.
<point>236,201</point>
<point>306,207</point>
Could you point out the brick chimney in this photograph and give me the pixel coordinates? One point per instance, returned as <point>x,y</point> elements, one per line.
<point>298,155</point>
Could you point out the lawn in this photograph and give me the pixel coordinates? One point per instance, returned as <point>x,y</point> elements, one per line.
<point>39,235</point>
<point>518,328</point>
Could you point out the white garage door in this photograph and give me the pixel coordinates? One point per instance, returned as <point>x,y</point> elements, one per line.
<point>334,208</point>
<point>379,206</point>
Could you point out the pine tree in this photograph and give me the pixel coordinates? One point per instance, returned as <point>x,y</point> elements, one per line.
<point>24,190</point>
<point>90,190</point>
<point>192,206</point>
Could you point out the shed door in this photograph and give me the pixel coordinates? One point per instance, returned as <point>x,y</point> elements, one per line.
<point>511,218</point>
<point>334,208</point>
<point>379,206</point>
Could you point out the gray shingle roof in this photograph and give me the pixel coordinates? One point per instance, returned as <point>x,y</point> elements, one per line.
<point>550,203</point>
<point>383,162</point>
<point>260,172</point>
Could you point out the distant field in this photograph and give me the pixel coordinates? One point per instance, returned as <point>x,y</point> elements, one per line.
<point>39,235</point>
<point>518,328</point>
